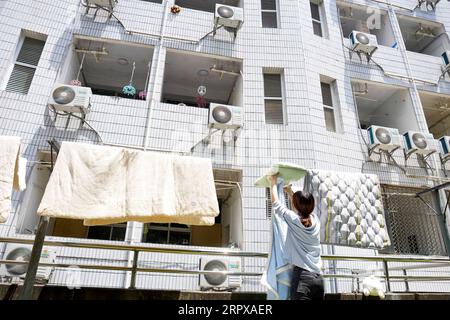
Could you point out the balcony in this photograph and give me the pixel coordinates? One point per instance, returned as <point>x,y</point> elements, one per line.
<point>218,79</point>
<point>423,36</point>
<point>384,105</point>
<point>437,113</point>
<point>363,19</point>
<point>107,67</point>
<point>425,43</point>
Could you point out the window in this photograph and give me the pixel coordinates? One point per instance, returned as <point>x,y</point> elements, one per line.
<point>167,233</point>
<point>287,202</point>
<point>25,65</point>
<point>316,21</point>
<point>413,227</point>
<point>328,105</point>
<point>269,13</point>
<point>273,99</point>
<point>114,232</point>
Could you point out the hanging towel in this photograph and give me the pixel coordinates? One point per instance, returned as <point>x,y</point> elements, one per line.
<point>350,208</point>
<point>278,274</point>
<point>288,171</point>
<point>104,185</point>
<point>9,173</point>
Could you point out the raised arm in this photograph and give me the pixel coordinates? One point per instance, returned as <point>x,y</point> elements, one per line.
<point>273,188</point>
<point>279,208</point>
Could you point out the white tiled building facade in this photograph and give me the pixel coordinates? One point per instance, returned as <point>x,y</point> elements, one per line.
<point>295,124</point>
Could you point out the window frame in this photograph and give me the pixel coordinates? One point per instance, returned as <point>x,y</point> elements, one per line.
<point>111,229</point>
<point>275,11</point>
<point>169,228</point>
<point>282,98</point>
<point>14,62</point>
<point>332,83</point>
<point>320,21</point>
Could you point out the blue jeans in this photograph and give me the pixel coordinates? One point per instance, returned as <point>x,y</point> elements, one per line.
<point>306,285</point>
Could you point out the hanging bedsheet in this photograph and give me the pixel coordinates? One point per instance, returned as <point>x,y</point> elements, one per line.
<point>105,185</point>
<point>12,173</point>
<point>350,208</point>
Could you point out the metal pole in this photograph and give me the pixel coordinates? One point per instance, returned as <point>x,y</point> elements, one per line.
<point>133,271</point>
<point>442,223</point>
<point>406,280</point>
<point>27,290</point>
<point>386,272</point>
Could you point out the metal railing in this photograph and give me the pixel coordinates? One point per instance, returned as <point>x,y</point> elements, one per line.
<point>431,261</point>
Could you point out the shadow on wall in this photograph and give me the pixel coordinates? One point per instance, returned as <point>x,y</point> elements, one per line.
<point>56,130</point>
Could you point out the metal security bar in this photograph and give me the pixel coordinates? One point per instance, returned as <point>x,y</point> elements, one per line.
<point>414,227</point>
<point>425,261</point>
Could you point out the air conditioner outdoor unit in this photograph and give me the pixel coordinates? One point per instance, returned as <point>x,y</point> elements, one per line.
<point>444,144</point>
<point>363,42</point>
<point>222,116</point>
<point>419,142</point>
<point>446,57</point>
<point>383,138</point>
<point>20,252</point>
<point>220,281</point>
<point>228,16</point>
<point>71,99</point>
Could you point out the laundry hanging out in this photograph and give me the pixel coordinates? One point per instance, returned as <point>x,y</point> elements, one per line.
<point>12,173</point>
<point>105,185</point>
<point>349,205</point>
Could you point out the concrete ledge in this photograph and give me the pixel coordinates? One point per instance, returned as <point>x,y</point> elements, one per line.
<point>12,292</point>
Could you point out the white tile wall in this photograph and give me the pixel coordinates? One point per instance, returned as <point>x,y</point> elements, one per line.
<point>293,48</point>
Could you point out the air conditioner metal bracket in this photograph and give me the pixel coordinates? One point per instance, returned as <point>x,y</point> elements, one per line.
<point>428,4</point>
<point>82,117</point>
<point>445,72</point>
<point>389,153</point>
<point>425,157</point>
<point>109,9</point>
<point>361,53</point>
<point>444,161</point>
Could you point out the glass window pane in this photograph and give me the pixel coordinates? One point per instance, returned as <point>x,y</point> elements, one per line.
<point>118,234</point>
<point>329,119</point>
<point>317,26</point>
<point>155,236</point>
<point>99,233</point>
<point>273,111</point>
<point>181,238</point>
<point>268,5</point>
<point>269,20</point>
<point>177,225</point>
<point>272,85</point>
<point>315,14</point>
<point>326,94</point>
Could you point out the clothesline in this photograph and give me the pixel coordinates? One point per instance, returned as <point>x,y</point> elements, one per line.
<point>24,141</point>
